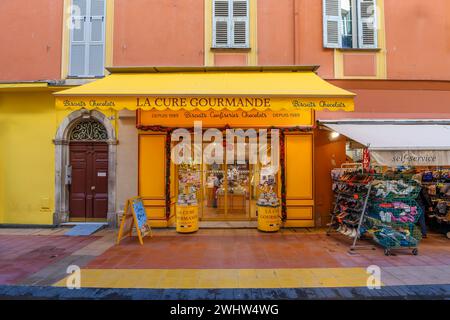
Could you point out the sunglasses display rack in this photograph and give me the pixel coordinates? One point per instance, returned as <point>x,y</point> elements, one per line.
<point>393,213</point>
<point>352,190</point>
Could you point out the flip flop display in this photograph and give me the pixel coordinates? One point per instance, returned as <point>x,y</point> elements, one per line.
<point>392,210</point>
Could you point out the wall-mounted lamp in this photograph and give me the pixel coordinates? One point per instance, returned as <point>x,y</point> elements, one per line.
<point>334,135</point>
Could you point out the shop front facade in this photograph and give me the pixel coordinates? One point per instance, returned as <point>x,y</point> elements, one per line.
<point>40,143</point>
<point>218,111</point>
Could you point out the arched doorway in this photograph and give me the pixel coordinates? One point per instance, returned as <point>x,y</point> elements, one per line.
<point>85,154</point>
<point>88,166</point>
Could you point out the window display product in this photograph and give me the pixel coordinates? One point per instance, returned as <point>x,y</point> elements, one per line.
<point>188,185</point>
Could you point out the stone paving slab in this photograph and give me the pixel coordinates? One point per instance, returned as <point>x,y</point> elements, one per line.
<point>216,259</point>
<point>22,256</point>
<point>55,272</point>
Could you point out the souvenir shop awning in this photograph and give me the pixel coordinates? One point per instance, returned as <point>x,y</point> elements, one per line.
<point>394,143</point>
<point>203,88</point>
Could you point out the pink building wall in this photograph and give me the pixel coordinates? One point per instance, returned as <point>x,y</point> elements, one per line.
<point>290,33</point>
<point>276,32</point>
<point>418,39</point>
<point>384,99</point>
<point>158,32</point>
<point>30,39</point>
<point>310,38</point>
<point>171,32</point>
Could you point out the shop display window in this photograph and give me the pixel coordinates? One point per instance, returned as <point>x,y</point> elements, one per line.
<point>227,191</point>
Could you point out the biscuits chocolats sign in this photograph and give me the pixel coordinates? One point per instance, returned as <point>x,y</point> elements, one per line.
<point>204,103</point>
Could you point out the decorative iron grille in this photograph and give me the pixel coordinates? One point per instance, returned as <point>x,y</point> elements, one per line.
<point>88,130</point>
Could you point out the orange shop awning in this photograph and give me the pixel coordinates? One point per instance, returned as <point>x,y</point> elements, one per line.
<point>204,88</point>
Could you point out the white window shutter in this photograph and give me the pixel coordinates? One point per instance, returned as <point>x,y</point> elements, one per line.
<point>96,49</point>
<point>87,47</point>
<point>221,25</point>
<point>367,24</point>
<point>332,24</point>
<point>78,38</point>
<point>240,26</point>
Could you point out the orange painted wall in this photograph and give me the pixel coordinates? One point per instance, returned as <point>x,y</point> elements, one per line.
<point>418,39</point>
<point>394,99</point>
<point>328,154</point>
<point>310,49</point>
<point>30,39</point>
<point>275,32</point>
<point>158,32</point>
<point>290,33</point>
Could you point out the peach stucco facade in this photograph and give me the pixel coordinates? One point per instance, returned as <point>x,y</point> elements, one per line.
<point>406,77</point>
<point>414,45</point>
<point>155,32</point>
<point>30,39</point>
<point>418,39</point>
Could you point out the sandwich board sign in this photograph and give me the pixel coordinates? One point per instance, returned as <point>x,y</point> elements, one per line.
<point>134,215</point>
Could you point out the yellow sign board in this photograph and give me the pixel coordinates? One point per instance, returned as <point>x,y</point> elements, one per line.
<point>238,118</point>
<point>134,215</point>
<point>176,103</point>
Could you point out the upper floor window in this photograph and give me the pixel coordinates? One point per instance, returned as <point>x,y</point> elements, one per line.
<point>87,38</point>
<point>230,24</point>
<point>350,24</point>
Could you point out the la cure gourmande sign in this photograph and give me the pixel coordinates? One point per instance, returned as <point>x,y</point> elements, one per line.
<point>202,103</point>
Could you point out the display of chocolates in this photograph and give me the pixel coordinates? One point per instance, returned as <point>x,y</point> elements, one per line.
<point>187,199</point>
<point>268,198</point>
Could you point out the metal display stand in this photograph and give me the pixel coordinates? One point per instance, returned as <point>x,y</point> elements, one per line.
<point>349,168</point>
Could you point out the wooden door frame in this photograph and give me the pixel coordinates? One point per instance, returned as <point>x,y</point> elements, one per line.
<point>61,141</point>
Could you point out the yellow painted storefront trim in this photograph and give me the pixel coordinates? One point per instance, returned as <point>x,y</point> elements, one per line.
<point>222,278</point>
<point>109,37</point>
<point>17,86</point>
<point>381,65</point>
<point>253,54</point>
<point>65,56</point>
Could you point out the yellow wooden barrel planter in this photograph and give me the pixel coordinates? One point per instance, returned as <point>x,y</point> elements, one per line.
<point>269,219</point>
<point>187,219</point>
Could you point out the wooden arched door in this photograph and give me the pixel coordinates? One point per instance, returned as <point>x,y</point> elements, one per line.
<point>88,160</point>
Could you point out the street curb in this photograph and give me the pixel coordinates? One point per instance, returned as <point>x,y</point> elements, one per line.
<point>417,292</point>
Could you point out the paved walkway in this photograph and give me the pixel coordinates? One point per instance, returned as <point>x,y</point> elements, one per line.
<point>219,260</point>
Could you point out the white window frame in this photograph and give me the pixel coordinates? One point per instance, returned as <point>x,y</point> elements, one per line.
<point>87,20</point>
<point>357,36</point>
<point>230,25</point>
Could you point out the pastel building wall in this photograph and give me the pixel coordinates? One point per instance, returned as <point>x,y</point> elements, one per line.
<point>30,39</point>
<point>414,38</point>
<point>408,76</point>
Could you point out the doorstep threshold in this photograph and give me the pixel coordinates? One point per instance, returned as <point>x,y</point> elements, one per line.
<point>85,223</point>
